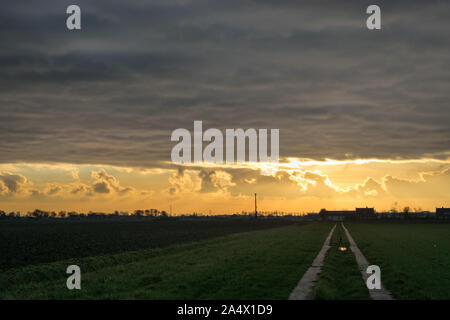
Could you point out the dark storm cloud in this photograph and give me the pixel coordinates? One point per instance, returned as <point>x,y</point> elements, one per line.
<point>113,92</point>
<point>11,182</point>
<point>101,187</point>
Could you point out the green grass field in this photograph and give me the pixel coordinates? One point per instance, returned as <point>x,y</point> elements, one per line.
<point>213,259</point>
<point>414,258</point>
<point>264,264</point>
<point>25,242</point>
<point>340,278</point>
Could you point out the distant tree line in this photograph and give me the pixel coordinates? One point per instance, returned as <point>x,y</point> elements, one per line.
<point>42,214</point>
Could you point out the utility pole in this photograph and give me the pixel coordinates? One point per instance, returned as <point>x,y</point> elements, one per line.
<point>256,210</point>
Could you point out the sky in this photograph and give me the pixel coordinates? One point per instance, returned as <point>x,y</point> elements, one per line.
<point>86,116</point>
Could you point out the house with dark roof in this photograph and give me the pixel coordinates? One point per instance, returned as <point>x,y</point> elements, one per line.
<point>443,213</point>
<point>365,213</point>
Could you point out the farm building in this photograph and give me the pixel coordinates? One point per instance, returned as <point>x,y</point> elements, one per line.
<point>358,213</point>
<point>365,213</point>
<point>443,213</point>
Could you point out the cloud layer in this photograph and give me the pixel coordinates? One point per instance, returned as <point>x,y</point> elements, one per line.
<point>113,93</point>
<point>298,186</point>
